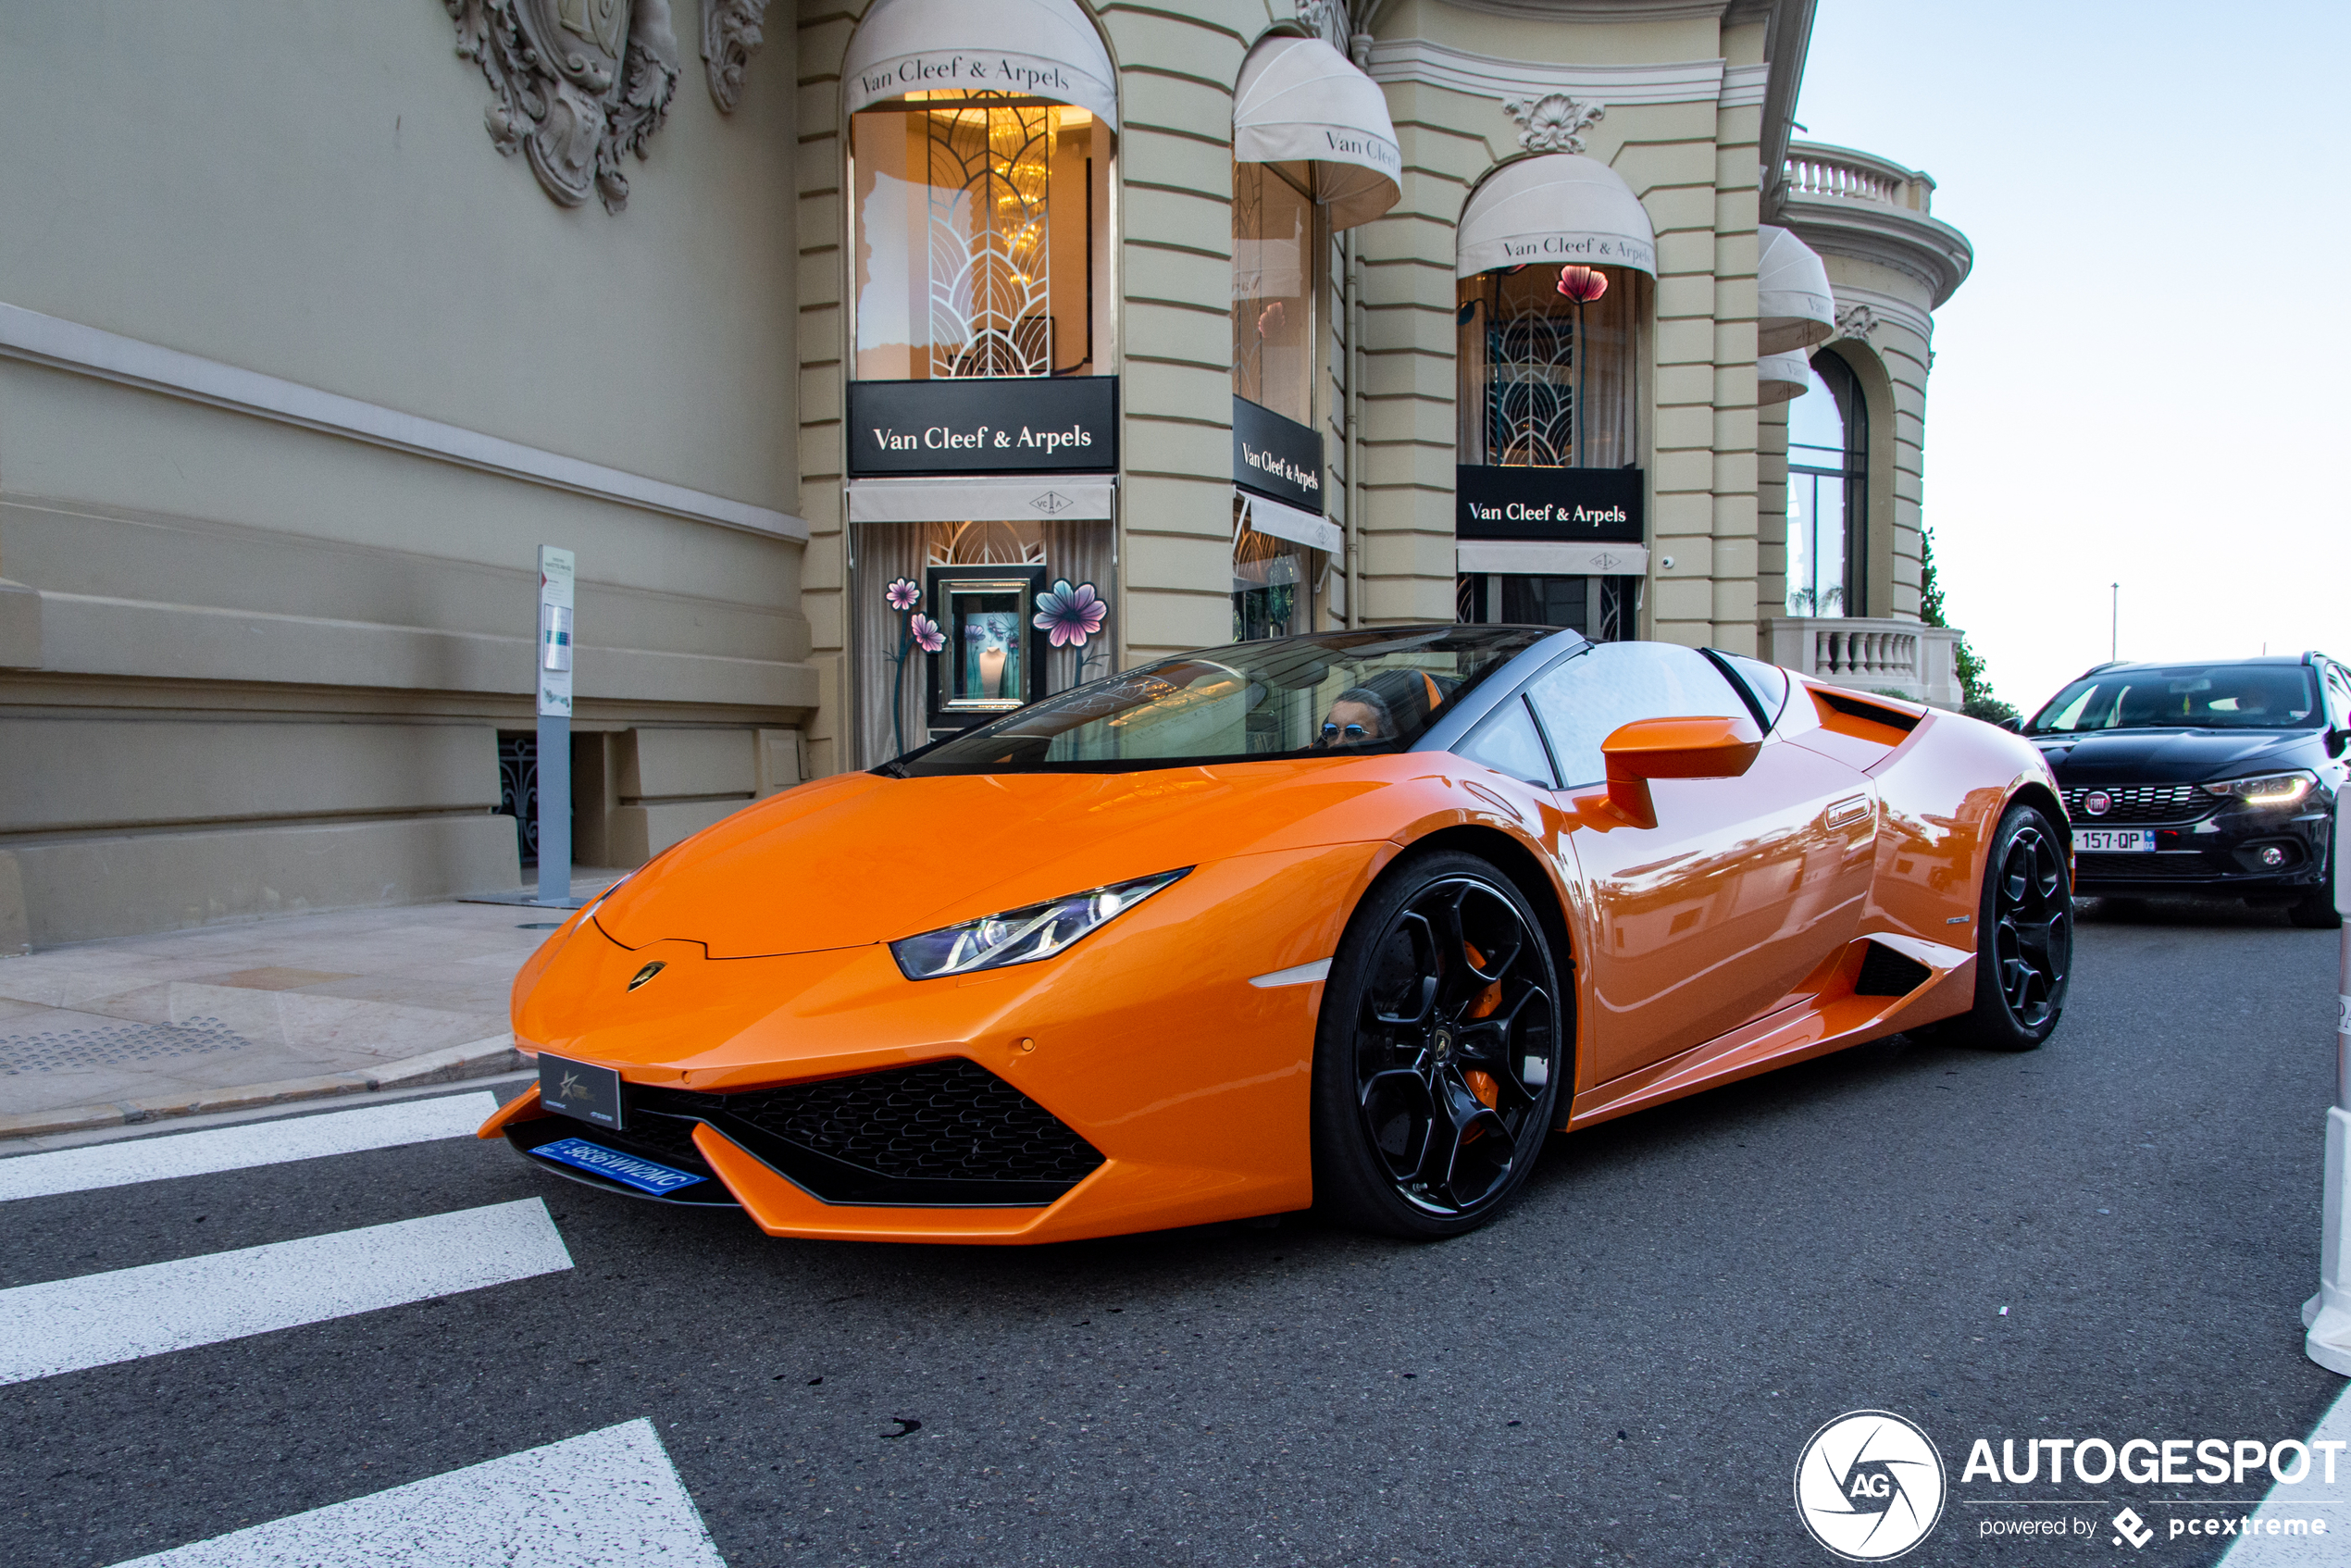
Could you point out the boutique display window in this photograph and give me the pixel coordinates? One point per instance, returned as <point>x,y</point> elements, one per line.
<point>980,222</point>
<point>1273,239</point>
<point>1549,361</point>
<point>1828,444</point>
<point>988,663</point>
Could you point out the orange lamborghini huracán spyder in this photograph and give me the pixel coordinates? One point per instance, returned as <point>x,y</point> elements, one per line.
<point>1350,920</point>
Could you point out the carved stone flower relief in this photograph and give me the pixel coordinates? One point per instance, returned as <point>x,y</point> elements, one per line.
<point>576,82</point>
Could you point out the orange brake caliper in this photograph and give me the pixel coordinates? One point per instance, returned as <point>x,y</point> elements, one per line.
<point>1482,1084</point>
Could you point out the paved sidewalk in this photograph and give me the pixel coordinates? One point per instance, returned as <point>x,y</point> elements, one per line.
<point>183,1023</point>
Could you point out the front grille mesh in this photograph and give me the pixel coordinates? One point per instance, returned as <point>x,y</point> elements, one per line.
<point>939,1132</point>
<point>2141,802</point>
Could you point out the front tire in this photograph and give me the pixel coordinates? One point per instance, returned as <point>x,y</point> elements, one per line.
<point>2024,939</point>
<point>1439,1052</point>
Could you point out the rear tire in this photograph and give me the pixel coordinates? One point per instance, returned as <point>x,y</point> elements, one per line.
<point>1439,1052</point>
<point>2024,939</point>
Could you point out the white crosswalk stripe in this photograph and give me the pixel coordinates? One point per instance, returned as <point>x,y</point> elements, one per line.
<point>605,1499</point>
<point>241,1148</point>
<point>66,1325</point>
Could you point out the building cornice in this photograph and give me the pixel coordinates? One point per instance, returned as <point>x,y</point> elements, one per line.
<point>1599,10</point>
<point>1921,247</point>
<point>1490,76</point>
<point>90,351</point>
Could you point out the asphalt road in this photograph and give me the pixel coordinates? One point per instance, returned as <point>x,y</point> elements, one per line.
<point>1621,1371</point>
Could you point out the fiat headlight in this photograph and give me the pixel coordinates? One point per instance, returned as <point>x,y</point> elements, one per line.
<point>1021,935</point>
<point>2268,788</point>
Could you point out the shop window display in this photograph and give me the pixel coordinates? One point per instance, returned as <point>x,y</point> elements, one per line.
<point>1548,362</point>
<point>1274,289</point>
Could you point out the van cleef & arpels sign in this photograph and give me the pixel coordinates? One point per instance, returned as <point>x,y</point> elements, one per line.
<point>1596,506</point>
<point>997,425</point>
<point>1277,457</point>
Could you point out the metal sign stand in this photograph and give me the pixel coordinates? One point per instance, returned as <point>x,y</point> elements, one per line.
<point>2327,1315</point>
<point>556,591</point>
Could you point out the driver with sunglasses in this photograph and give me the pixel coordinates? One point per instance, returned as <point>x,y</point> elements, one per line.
<point>1386,705</point>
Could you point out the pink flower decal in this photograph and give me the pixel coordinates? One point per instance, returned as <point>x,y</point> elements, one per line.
<point>1583,284</point>
<point>926,633</point>
<point>903,595</point>
<point>1069,615</point>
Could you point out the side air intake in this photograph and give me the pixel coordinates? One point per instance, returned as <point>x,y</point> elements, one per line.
<point>1887,973</point>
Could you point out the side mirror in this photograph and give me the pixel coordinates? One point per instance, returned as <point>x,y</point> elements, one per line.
<point>1674,748</point>
<point>2336,740</point>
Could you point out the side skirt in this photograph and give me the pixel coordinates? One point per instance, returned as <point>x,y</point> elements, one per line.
<point>1797,1033</point>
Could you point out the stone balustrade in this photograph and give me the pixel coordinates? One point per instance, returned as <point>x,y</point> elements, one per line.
<point>1907,658</point>
<point>1816,171</point>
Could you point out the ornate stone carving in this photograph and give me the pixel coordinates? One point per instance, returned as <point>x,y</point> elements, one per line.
<point>731,34</point>
<point>1326,19</point>
<point>1855,321</point>
<point>1554,122</point>
<point>578,82</point>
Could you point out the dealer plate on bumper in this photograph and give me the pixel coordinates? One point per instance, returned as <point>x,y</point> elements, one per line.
<point>581,1089</point>
<point>2096,840</point>
<point>629,1170</point>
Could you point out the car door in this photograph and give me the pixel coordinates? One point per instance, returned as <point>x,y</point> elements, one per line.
<point>1739,894</point>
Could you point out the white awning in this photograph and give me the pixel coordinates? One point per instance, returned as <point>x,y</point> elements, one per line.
<point>1036,48</point>
<point>1300,526</point>
<point>1779,377</point>
<point>1793,306</point>
<point>1549,557</point>
<point>1299,98</point>
<point>1070,498</point>
<point>1555,208</point>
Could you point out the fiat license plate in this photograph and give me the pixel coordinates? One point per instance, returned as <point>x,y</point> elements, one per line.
<point>577,1088</point>
<point>2111,840</point>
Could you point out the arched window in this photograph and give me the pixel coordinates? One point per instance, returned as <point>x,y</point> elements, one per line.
<point>979,218</point>
<point>1828,444</point>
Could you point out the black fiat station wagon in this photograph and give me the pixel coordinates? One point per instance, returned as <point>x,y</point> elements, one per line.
<point>2209,778</point>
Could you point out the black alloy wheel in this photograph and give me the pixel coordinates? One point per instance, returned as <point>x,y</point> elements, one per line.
<point>2024,942</point>
<point>1439,1058</point>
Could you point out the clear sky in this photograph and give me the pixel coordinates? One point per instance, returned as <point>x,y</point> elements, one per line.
<point>2145,380</point>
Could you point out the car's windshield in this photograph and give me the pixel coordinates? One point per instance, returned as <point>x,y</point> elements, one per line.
<point>1335,694</point>
<point>2184,697</point>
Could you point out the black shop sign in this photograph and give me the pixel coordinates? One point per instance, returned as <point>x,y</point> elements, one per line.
<point>993,425</point>
<point>1592,506</point>
<point>1277,457</point>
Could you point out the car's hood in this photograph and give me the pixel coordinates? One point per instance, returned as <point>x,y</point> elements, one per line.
<point>857,858</point>
<point>2174,756</point>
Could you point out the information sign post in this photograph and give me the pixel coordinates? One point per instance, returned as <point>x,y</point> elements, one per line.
<point>2327,1315</point>
<point>555,572</point>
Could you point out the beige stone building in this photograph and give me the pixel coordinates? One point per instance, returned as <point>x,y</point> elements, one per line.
<point>1250,315</point>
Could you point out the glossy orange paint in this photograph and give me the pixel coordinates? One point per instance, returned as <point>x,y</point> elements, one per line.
<point>1722,940</point>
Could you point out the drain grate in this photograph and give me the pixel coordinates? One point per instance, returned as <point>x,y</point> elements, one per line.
<point>64,1050</point>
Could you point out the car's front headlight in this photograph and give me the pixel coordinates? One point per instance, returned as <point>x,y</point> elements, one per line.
<point>2268,788</point>
<point>1021,935</point>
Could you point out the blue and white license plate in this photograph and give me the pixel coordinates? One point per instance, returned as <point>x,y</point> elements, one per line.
<point>2114,841</point>
<point>629,1170</point>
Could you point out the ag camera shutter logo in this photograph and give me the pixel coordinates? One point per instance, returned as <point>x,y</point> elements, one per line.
<point>1870,1486</point>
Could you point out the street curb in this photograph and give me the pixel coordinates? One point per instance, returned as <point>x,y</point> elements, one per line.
<point>482,1058</point>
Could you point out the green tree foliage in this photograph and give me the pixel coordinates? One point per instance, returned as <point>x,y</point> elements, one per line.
<point>1975,686</point>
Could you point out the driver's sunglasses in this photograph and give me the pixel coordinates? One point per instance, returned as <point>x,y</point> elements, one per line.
<point>1352,732</point>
